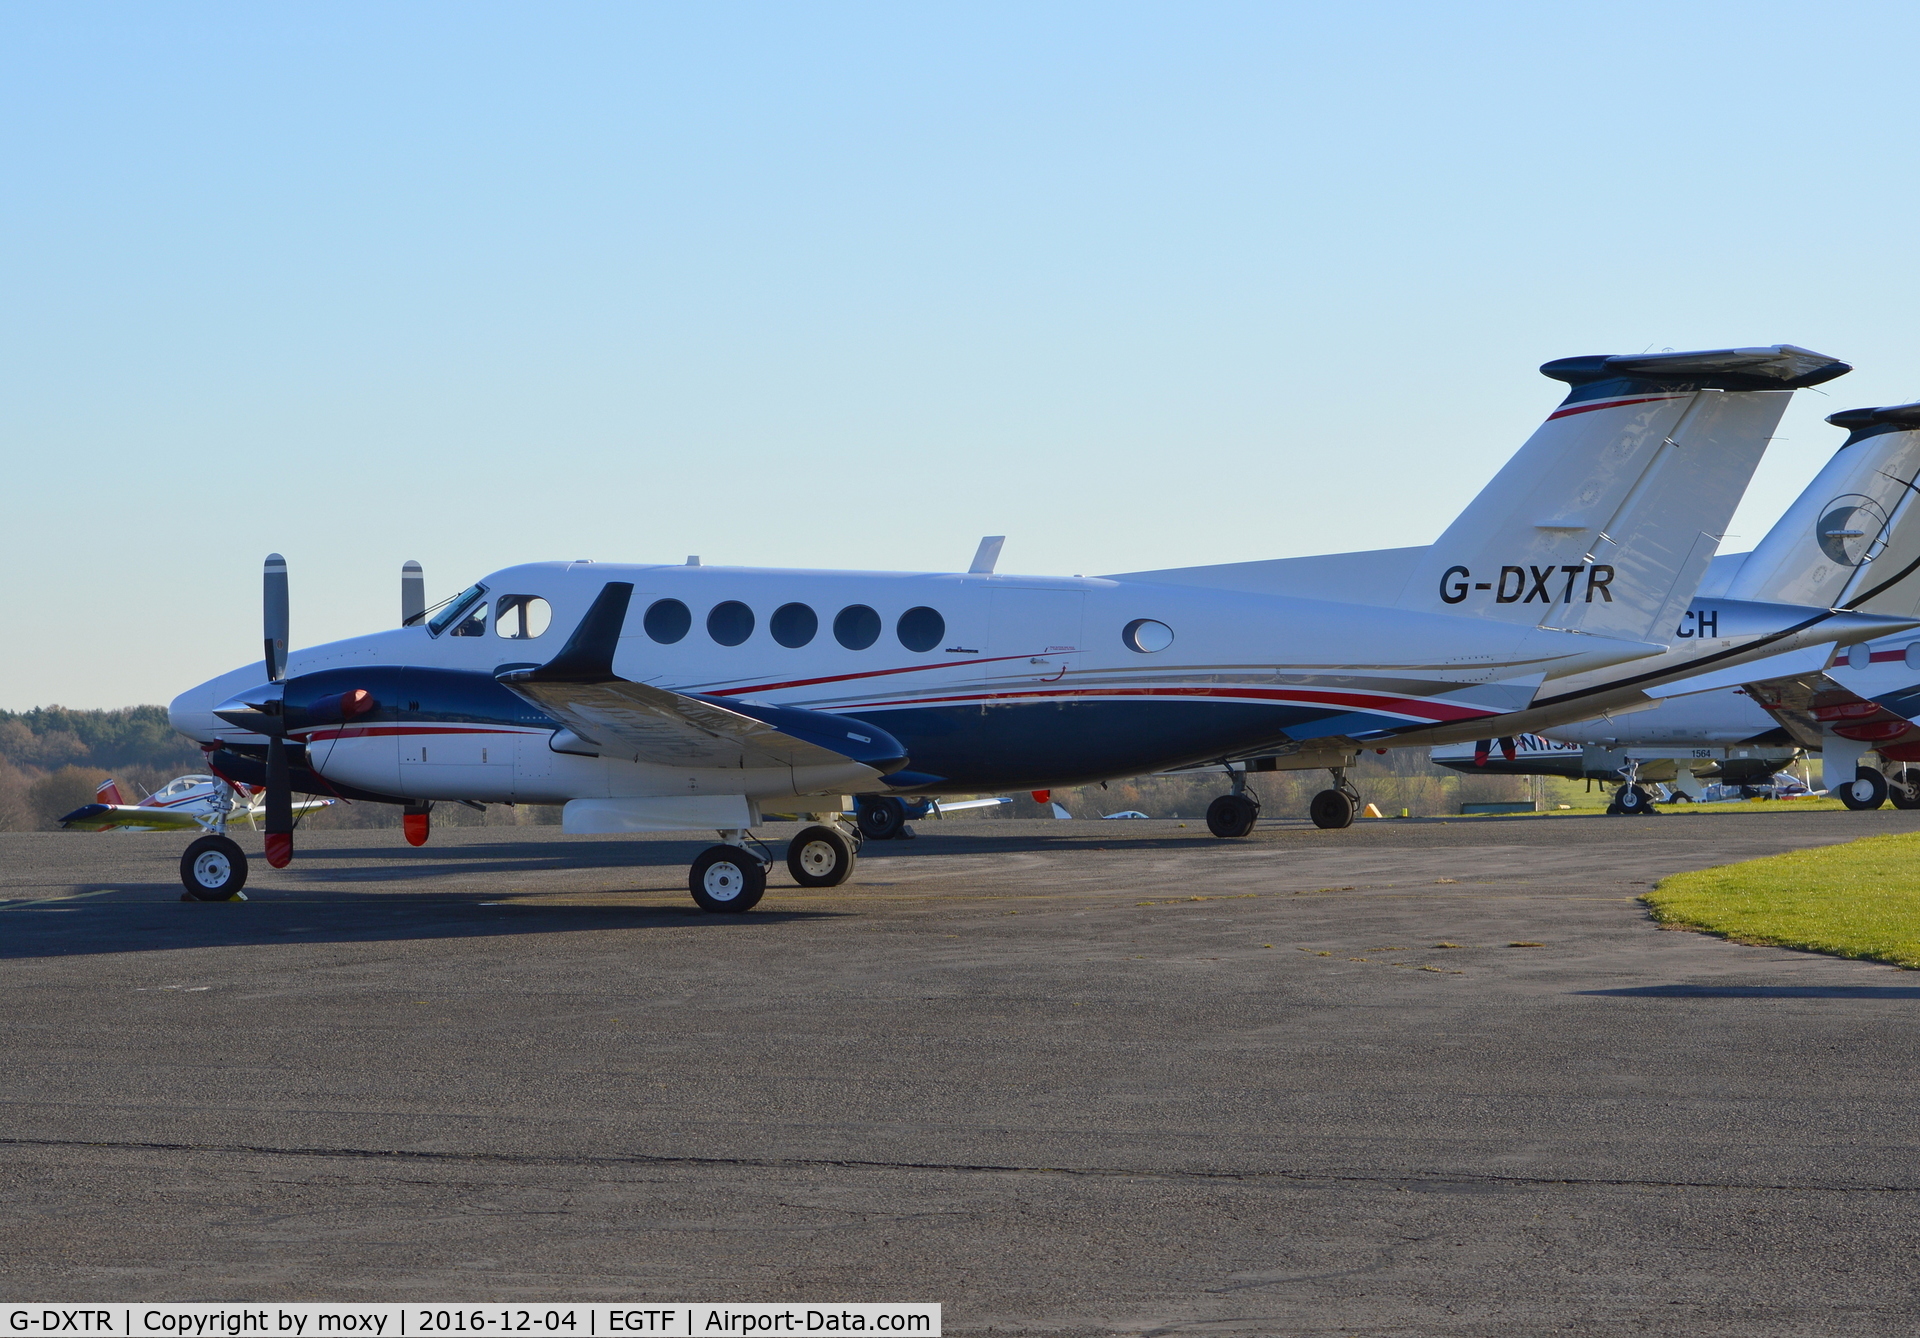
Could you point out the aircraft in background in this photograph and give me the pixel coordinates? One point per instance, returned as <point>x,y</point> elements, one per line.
<point>1858,534</point>
<point>684,697</point>
<point>183,803</point>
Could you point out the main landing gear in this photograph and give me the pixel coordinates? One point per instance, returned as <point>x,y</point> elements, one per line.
<point>730,878</point>
<point>1633,800</point>
<point>1234,814</point>
<point>1869,789</point>
<point>1337,807</point>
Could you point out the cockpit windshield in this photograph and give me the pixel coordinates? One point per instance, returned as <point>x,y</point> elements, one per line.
<point>450,612</point>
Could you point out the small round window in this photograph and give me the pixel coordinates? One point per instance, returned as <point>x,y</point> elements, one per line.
<point>667,621</point>
<point>856,627</point>
<point>730,623</point>
<point>1147,636</point>
<point>793,625</point>
<point>921,628</point>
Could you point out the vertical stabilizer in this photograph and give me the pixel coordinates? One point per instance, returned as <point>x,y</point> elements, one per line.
<point>1852,540</point>
<point>1606,519</point>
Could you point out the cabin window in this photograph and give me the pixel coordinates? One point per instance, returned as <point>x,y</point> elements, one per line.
<point>856,627</point>
<point>921,628</point>
<point>521,617</point>
<point>793,625</point>
<point>457,608</point>
<point>1147,636</point>
<point>730,623</point>
<point>667,621</point>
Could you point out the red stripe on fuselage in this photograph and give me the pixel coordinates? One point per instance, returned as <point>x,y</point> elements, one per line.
<point>1607,404</point>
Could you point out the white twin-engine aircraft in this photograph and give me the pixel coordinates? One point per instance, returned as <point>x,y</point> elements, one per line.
<point>662,698</point>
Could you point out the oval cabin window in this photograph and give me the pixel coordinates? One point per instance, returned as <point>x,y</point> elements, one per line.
<point>793,625</point>
<point>921,628</point>
<point>856,627</point>
<point>667,621</point>
<point>1147,636</point>
<point>730,623</point>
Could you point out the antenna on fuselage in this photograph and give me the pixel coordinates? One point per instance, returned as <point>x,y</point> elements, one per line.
<point>987,556</point>
<point>413,594</point>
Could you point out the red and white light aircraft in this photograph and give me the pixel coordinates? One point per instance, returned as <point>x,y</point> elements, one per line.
<point>685,697</point>
<point>182,804</point>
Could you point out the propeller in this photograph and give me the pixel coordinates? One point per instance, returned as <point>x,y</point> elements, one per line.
<point>413,594</point>
<point>279,805</point>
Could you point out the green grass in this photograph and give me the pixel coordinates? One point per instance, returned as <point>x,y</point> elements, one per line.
<point>1861,900</point>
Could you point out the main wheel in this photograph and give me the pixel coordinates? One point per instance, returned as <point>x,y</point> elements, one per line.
<point>820,857</point>
<point>727,878</point>
<point>1635,801</point>
<point>1232,815</point>
<point>213,869</point>
<point>1903,787</point>
<point>882,818</point>
<point>1332,809</point>
<point>1867,790</point>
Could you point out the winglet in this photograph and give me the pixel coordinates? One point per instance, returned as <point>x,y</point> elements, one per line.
<point>588,655</point>
<point>987,556</point>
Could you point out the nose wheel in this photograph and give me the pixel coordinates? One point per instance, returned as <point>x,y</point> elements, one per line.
<point>213,868</point>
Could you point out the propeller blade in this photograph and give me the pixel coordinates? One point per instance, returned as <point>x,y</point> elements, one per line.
<point>274,607</point>
<point>413,594</point>
<point>279,804</point>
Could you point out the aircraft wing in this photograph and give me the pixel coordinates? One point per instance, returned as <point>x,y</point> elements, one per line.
<point>648,724</point>
<point>106,817</point>
<point>150,817</point>
<point>1802,703</point>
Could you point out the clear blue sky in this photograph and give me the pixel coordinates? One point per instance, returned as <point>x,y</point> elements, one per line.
<point>852,285</point>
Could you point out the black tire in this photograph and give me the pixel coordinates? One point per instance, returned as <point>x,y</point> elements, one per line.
<point>882,817</point>
<point>1904,788</point>
<point>1232,815</point>
<point>1332,809</point>
<point>820,857</point>
<point>1635,801</point>
<point>727,880</point>
<point>213,868</point>
<point>1867,790</point>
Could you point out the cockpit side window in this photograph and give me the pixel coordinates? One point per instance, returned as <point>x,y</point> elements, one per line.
<point>457,608</point>
<point>521,617</point>
<point>474,624</point>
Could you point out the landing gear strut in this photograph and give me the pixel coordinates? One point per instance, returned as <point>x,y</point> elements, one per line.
<point>1337,807</point>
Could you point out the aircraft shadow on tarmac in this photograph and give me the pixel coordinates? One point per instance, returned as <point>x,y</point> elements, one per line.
<point>77,925</point>
<point>1761,992</point>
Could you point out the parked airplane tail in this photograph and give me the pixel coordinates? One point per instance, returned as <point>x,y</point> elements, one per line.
<point>108,792</point>
<point>1605,520</point>
<point>1852,540</point>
